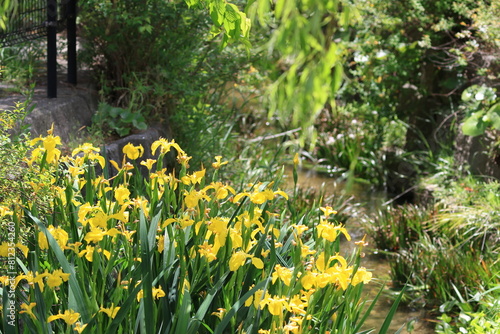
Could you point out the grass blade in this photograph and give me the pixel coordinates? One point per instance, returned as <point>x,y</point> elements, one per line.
<point>83,305</point>
<point>369,310</point>
<point>232,312</point>
<point>124,310</point>
<point>392,311</point>
<point>147,287</point>
<point>204,307</point>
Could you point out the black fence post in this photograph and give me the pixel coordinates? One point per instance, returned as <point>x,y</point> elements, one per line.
<point>71,35</point>
<point>51,48</point>
<point>34,19</point>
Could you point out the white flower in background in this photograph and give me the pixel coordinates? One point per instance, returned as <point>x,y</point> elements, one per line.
<point>359,58</point>
<point>381,54</point>
<point>479,96</point>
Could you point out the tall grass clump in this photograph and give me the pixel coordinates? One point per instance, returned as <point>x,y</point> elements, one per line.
<point>447,253</point>
<point>175,252</point>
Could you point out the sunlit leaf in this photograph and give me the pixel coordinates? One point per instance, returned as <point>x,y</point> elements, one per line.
<point>474,125</point>
<point>494,116</point>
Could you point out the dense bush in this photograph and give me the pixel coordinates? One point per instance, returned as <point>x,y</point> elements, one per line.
<point>409,63</point>
<point>156,61</point>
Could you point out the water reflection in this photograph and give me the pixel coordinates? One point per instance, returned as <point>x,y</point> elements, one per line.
<point>380,267</point>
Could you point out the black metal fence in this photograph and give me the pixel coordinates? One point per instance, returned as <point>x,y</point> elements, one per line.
<point>32,19</point>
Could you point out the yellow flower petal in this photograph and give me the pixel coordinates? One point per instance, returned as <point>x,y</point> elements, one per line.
<point>257,263</point>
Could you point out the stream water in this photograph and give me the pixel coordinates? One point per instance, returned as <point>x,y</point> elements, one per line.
<point>379,266</point>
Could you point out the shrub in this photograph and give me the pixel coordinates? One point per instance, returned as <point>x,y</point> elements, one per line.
<point>155,61</point>
<point>19,182</point>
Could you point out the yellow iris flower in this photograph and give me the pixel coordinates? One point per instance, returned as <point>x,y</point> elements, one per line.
<point>79,327</point>
<point>259,197</point>
<point>257,298</point>
<point>59,234</point>
<point>194,178</point>
<point>6,249</point>
<point>185,221</point>
<point>192,197</point>
<point>148,163</point>
<point>217,164</point>
<point>57,278</point>
<point>99,219</point>
<point>69,316</point>
<point>165,146</point>
<point>220,313</point>
<point>95,235</point>
<point>236,239</point>
<point>298,305</point>
<point>49,144</point>
<point>88,252</point>
<point>300,229</point>
<point>158,292</point>
<point>221,190</point>
<point>122,194</point>
<point>208,251</point>
<point>275,304</point>
<point>361,275</point>
<point>86,148</point>
<point>296,159</point>
<point>28,309</point>
<point>219,226</point>
<point>161,243</point>
<point>133,152</point>
<point>5,211</point>
<point>328,211</point>
<point>110,311</point>
<point>330,231</point>
<point>239,258</point>
<point>283,273</point>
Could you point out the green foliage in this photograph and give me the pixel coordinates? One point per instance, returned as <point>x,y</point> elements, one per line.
<point>21,65</point>
<point>384,56</point>
<point>142,67</point>
<point>302,45</point>
<point>395,40</point>
<point>398,228</point>
<point>228,20</point>
<point>362,144</point>
<point>163,66</point>
<point>13,150</point>
<point>483,320</point>
<point>118,120</point>
<point>482,111</point>
<point>446,251</point>
<point>18,180</point>
<point>5,8</point>
<point>406,66</point>
<point>468,322</point>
